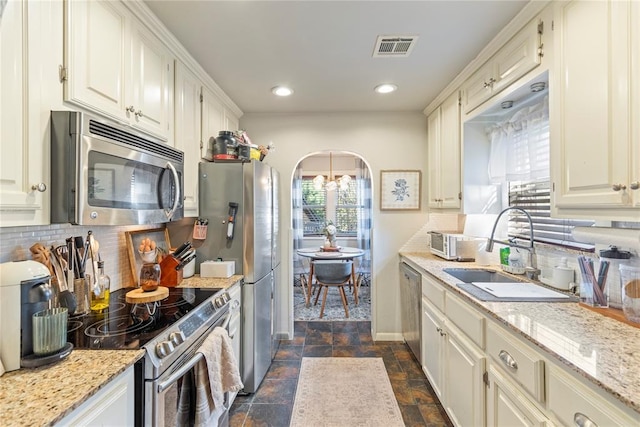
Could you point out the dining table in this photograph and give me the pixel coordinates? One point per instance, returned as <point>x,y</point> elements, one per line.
<point>343,253</point>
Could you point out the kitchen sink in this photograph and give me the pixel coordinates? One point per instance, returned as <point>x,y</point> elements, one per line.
<point>469,275</point>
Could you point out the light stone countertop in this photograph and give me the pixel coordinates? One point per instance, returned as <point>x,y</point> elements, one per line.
<point>209,282</point>
<point>600,349</point>
<point>45,395</point>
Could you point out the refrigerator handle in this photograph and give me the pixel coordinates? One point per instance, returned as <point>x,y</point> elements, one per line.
<point>233,210</point>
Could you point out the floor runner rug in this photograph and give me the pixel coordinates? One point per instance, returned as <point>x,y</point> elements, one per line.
<point>338,392</point>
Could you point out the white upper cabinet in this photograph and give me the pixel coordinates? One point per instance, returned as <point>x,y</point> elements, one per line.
<point>443,133</point>
<point>23,172</point>
<point>595,131</point>
<point>116,67</point>
<point>96,55</point>
<point>152,81</point>
<point>231,122</point>
<point>188,125</point>
<point>516,58</point>
<point>213,117</point>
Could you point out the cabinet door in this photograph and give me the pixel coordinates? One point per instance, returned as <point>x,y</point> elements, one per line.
<point>517,57</point>
<point>478,88</point>
<point>433,139</point>
<point>113,405</point>
<point>231,122</point>
<point>96,48</point>
<point>152,80</point>
<point>22,159</point>
<point>464,391</point>
<point>635,105</point>
<point>212,118</point>
<point>589,130</point>
<point>432,348</point>
<point>188,126</point>
<point>507,406</point>
<point>450,153</point>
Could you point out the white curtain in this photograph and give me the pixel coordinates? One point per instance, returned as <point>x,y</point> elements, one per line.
<point>363,180</point>
<point>297,218</point>
<point>520,145</point>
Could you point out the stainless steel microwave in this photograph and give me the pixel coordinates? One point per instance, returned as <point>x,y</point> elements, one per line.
<point>104,173</point>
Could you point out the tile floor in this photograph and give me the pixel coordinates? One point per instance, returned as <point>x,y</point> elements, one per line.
<point>272,404</point>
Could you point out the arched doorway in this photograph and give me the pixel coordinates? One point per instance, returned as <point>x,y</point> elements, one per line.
<point>332,188</point>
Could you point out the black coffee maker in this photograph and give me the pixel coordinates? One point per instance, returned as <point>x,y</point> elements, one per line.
<point>25,289</point>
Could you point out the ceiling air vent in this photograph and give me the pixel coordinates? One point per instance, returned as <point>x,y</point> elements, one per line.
<point>396,46</point>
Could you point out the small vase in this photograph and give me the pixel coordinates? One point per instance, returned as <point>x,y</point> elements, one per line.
<point>332,242</point>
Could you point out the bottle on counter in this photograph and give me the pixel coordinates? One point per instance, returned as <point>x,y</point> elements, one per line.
<point>101,291</point>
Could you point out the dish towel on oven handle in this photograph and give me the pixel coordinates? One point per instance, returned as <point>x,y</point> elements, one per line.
<point>215,375</point>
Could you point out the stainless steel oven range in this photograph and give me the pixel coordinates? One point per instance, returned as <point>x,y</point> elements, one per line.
<point>170,331</point>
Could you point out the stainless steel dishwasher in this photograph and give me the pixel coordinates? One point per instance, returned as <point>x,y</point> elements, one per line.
<point>410,299</point>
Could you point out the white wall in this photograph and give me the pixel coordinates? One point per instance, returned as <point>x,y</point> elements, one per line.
<point>385,141</point>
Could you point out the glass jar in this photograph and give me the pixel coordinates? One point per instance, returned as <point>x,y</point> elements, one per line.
<point>630,289</point>
<point>611,260</point>
<point>150,277</point>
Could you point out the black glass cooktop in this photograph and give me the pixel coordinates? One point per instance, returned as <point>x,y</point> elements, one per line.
<point>129,326</point>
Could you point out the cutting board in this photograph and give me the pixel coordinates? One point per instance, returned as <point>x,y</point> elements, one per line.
<point>138,296</point>
<point>518,290</point>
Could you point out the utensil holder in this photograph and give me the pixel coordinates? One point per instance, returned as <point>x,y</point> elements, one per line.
<point>170,277</point>
<point>82,291</point>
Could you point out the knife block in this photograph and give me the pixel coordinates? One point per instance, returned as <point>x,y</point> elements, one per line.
<point>169,276</point>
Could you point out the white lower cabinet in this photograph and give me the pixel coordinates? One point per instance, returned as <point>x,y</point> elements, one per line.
<point>507,405</point>
<point>432,346</point>
<point>113,405</point>
<point>464,367</point>
<point>573,403</point>
<point>454,367</point>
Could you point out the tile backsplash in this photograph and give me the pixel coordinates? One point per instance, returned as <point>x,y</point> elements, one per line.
<point>16,241</point>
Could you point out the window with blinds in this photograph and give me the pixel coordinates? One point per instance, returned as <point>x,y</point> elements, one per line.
<point>535,198</point>
<point>340,207</point>
<point>520,157</point>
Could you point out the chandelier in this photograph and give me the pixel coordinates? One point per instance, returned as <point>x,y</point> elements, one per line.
<point>331,182</point>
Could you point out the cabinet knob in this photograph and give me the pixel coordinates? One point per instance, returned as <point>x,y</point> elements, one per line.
<point>634,185</point>
<point>618,187</point>
<point>130,109</point>
<point>139,113</point>
<point>41,187</point>
<point>581,420</point>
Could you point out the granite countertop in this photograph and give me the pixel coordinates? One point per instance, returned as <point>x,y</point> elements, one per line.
<point>43,396</point>
<point>209,282</point>
<point>602,350</point>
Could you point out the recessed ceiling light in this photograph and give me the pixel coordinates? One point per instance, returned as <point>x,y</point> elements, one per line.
<point>281,91</point>
<point>385,88</point>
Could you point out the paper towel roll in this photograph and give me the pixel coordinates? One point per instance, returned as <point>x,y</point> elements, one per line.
<point>621,237</point>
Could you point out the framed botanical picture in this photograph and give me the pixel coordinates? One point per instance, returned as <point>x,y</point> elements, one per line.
<point>400,190</point>
<point>139,253</point>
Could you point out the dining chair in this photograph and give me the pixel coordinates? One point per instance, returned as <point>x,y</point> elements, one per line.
<point>332,274</point>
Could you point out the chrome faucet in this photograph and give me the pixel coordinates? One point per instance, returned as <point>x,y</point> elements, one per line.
<point>532,271</point>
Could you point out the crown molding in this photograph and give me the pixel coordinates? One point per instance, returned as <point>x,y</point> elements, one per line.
<point>529,12</point>
<point>148,18</point>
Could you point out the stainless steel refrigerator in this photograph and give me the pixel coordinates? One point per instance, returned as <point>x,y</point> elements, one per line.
<point>240,200</point>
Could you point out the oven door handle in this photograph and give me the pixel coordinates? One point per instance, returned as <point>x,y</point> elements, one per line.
<point>189,365</point>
